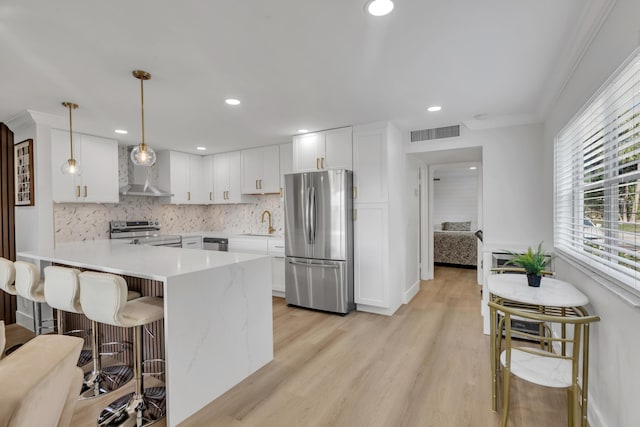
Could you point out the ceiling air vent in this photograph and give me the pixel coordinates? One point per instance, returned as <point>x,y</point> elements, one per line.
<point>435,133</point>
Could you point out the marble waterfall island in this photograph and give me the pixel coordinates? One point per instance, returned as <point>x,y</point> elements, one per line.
<point>218,324</point>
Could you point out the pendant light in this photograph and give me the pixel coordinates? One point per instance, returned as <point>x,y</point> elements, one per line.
<point>71,166</point>
<point>142,155</point>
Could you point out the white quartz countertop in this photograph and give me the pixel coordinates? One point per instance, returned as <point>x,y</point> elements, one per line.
<point>151,262</point>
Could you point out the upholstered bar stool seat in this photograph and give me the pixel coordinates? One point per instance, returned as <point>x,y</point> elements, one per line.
<point>31,287</point>
<point>7,276</point>
<point>104,299</point>
<point>62,292</point>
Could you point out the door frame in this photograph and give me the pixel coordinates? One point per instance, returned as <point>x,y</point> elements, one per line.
<point>426,215</point>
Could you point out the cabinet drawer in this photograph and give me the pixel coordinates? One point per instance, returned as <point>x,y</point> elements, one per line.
<point>249,246</point>
<point>276,247</point>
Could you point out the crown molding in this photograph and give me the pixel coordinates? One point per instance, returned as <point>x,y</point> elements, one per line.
<point>591,20</point>
<point>31,117</point>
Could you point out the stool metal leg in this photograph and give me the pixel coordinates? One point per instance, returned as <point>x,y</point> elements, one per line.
<point>141,408</point>
<point>102,380</point>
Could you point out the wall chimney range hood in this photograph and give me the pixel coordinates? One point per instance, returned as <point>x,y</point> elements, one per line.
<point>141,182</point>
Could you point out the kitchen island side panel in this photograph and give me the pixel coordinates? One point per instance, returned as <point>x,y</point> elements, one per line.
<point>218,329</point>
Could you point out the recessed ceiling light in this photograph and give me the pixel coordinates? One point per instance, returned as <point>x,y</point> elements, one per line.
<point>303,130</point>
<point>122,131</point>
<point>473,168</point>
<point>232,101</point>
<point>379,7</point>
<point>434,108</point>
<point>201,148</point>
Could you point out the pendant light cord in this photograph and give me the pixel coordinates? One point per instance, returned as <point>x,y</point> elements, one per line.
<point>70,134</point>
<point>142,109</point>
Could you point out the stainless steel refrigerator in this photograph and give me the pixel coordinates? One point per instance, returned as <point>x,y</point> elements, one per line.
<point>319,240</point>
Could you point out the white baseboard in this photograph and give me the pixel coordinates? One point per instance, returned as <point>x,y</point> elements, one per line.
<point>279,294</point>
<point>411,292</point>
<point>376,310</point>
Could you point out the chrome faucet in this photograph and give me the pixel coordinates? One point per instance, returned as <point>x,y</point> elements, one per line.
<point>271,229</point>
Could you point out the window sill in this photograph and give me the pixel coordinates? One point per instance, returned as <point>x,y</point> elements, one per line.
<point>607,282</point>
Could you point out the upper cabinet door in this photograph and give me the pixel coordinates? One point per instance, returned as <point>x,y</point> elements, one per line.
<point>98,160</point>
<point>286,163</point>
<point>329,149</point>
<point>370,165</point>
<point>65,188</point>
<point>196,193</point>
<point>234,193</point>
<point>220,178</point>
<point>307,151</point>
<point>270,180</point>
<point>207,178</point>
<point>261,170</point>
<point>178,176</point>
<point>251,170</point>
<point>337,149</point>
<point>100,170</point>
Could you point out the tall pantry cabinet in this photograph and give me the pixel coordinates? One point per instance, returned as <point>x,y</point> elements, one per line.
<point>378,178</point>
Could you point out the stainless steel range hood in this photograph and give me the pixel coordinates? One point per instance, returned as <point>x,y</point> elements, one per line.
<point>141,182</point>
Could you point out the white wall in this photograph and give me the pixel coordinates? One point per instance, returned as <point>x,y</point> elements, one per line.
<point>34,224</point>
<point>516,209</point>
<point>614,387</point>
<point>455,198</point>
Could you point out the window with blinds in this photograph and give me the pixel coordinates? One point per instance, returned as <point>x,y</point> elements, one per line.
<point>597,180</point>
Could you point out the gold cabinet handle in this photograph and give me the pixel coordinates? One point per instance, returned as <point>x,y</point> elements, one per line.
<point>355,214</point>
<point>322,163</point>
<point>280,191</point>
<point>210,195</point>
<point>77,191</point>
<point>317,163</point>
<point>355,192</point>
<point>260,184</point>
<point>188,195</point>
<point>85,191</point>
<point>256,184</point>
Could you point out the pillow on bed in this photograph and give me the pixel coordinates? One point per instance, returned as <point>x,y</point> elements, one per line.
<point>457,226</point>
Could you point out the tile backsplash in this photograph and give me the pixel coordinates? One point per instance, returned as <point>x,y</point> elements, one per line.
<point>90,221</point>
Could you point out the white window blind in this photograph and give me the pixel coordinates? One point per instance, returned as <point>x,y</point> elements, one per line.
<point>597,180</point>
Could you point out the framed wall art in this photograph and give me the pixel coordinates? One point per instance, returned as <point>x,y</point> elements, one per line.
<point>23,161</point>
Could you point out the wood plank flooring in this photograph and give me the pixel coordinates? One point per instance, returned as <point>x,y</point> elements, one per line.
<point>428,365</point>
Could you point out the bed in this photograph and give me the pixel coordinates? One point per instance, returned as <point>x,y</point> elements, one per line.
<point>455,245</point>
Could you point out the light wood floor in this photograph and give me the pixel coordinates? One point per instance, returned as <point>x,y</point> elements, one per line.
<point>428,365</point>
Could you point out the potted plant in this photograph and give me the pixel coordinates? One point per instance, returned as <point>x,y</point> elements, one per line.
<point>532,262</point>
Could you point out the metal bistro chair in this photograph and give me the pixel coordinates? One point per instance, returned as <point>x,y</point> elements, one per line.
<point>546,367</point>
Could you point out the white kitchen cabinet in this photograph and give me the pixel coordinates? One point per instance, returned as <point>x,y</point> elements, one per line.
<point>192,242</point>
<point>330,149</point>
<point>379,186</point>
<point>370,251</point>
<point>277,275</point>
<point>182,175</point>
<point>227,179</point>
<point>207,178</point>
<point>370,181</point>
<point>98,160</point>
<point>286,163</point>
<point>261,170</point>
<point>274,247</point>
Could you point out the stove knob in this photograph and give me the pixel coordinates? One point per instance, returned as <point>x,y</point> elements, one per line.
<point>157,223</point>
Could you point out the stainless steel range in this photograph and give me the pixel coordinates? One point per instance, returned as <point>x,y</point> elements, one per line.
<point>145,232</point>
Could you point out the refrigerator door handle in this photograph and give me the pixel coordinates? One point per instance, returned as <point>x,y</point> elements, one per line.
<point>307,216</point>
<point>312,215</point>
<point>305,264</point>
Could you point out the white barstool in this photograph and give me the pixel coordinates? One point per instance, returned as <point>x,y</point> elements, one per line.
<point>62,292</point>
<point>30,287</point>
<point>7,276</point>
<point>104,299</point>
